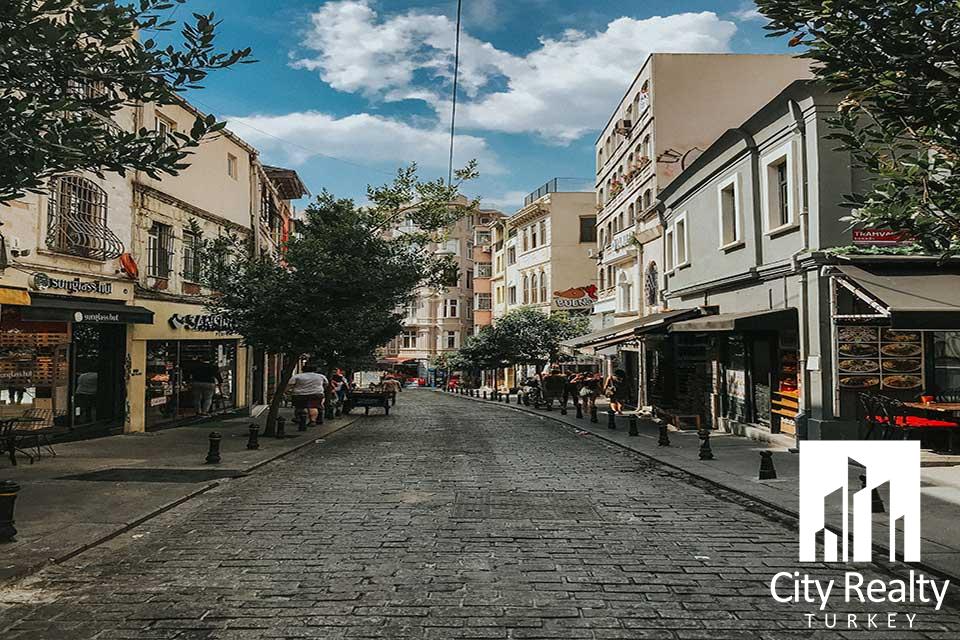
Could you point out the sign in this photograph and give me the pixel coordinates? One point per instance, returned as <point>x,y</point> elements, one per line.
<point>880,238</point>
<point>97,316</point>
<point>42,281</point>
<point>576,298</point>
<point>200,323</point>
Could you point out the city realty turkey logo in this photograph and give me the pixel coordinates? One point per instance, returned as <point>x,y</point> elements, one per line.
<point>837,516</point>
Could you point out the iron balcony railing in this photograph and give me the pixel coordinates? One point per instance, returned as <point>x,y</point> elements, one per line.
<point>77,220</point>
<point>559,185</point>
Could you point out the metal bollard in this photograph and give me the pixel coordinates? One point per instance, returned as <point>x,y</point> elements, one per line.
<point>484,394</point>
<point>705,452</point>
<point>506,397</point>
<point>876,501</point>
<point>593,414</point>
<point>253,441</point>
<point>213,455</point>
<point>611,419</point>
<point>634,431</point>
<point>767,470</point>
<point>664,440</point>
<point>579,411</point>
<point>281,428</point>
<point>8,499</point>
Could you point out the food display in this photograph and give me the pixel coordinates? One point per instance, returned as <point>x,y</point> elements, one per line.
<point>859,350</point>
<point>902,365</point>
<point>857,334</point>
<point>871,357</point>
<point>902,382</point>
<point>859,382</point>
<point>859,366</point>
<point>891,335</point>
<point>901,349</point>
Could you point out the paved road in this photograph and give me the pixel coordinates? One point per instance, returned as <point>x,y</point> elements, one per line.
<point>447,520</point>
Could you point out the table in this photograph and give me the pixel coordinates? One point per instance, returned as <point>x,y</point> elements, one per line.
<point>11,436</point>
<point>952,408</point>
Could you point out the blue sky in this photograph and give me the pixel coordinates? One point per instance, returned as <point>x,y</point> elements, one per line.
<point>346,91</point>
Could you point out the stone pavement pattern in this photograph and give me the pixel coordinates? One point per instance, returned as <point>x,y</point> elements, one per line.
<point>445,520</point>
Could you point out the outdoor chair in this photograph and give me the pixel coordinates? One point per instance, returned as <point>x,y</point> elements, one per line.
<point>950,395</point>
<point>873,416</point>
<point>898,417</point>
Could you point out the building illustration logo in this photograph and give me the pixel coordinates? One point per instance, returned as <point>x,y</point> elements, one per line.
<point>831,497</point>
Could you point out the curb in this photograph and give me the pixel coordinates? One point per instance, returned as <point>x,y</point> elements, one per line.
<point>153,513</point>
<point>793,515</point>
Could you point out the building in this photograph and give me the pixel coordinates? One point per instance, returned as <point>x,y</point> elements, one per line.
<point>677,105</point>
<point>483,255</point>
<point>774,330</point>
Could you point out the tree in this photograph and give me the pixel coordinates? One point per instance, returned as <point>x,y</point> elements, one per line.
<point>897,63</point>
<point>334,295</point>
<point>528,336</point>
<point>68,68</point>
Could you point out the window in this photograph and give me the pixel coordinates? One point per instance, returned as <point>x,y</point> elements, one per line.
<point>611,270</point>
<point>484,237</point>
<point>499,296</point>
<point>232,166</point>
<point>470,279</point>
<point>513,294</point>
<point>77,220</point>
<point>681,251</point>
<point>526,290</point>
<point>603,279</point>
<point>484,302</point>
<point>159,250</point>
<point>484,270</point>
<point>631,214</point>
<point>647,199</point>
<point>588,229</point>
<point>450,309</point>
<point>409,339</point>
<point>191,256</point>
<point>782,194</point>
<point>620,225</point>
<point>625,293</point>
<point>451,339</point>
<point>610,232</point>
<point>526,240</point>
<point>533,236</point>
<point>511,255</point>
<point>778,187</point>
<point>543,288</point>
<point>669,248</point>
<point>164,125</point>
<point>534,289</point>
<point>730,232</point>
<point>411,308</point>
<point>543,232</point>
<point>651,285</point>
<point>468,309</point>
<point>452,246</point>
<point>603,238</point>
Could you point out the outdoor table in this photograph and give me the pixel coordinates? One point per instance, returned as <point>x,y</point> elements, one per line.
<point>13,435</point>
<point>951,408</point>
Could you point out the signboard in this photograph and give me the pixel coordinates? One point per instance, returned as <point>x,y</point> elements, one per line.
<point>200,323</point>
<point>576,298</point>
<point>880,238</point>
<point>42,282</point>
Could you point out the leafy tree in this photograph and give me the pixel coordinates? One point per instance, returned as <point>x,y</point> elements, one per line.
<point>334,295</point>
<point>528,336</point>
<point>68,68</point>
<point>897,63</point>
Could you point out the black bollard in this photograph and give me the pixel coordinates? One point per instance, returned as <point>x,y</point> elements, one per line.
<point>634,431</point>
<point>664,440</point>
<point>767,470</point>
<point>705,452</point>
<point>213,455</point>
<point>506,397</point>
<point>281,428</point>
<point>253,442</point>
<point>611,419</point>
<point>579,411</point>
<point>876,501</point>
<point>8,499</point>
<point>484,394</point>
<point>593,414</point>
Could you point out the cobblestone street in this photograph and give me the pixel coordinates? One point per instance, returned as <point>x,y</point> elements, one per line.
<point>450,519</point>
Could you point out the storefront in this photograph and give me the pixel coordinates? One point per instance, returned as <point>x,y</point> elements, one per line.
<point>173,361</point>
<point>63,359</point>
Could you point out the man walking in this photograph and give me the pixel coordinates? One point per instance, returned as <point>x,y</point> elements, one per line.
<point>308,390</point>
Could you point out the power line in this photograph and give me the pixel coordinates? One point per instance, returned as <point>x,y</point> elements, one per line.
<point>456,77</point>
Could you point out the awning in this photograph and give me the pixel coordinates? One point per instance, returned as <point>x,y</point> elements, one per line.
<point>916,296</point>
<point>628,331</point>
<point>11,295</point>
<point>56,309</point>
<point>766,320</point>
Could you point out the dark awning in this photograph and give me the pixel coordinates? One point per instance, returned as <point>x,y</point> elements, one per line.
<point>629,331</point>
<point>56,309</point>
<point>916,296</point>
<point>766,320</point>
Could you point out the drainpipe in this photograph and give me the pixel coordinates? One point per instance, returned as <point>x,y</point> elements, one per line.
<point>803,414</point>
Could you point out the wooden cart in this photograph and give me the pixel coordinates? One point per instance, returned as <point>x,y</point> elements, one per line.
<point>368,398</point>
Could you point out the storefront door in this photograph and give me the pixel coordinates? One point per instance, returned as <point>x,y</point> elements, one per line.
<point>97,375</point>
<point>761,378</point>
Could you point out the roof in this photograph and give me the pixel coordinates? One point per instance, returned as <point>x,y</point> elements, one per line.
<point>287,182</point>
<point>916,296</point>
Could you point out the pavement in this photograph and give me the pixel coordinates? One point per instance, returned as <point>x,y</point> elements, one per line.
<point>96,489</point>
<point>736,466</point>
<point>445,521</point>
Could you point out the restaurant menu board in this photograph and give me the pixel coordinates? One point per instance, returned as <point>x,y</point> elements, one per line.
<point>873,357</point>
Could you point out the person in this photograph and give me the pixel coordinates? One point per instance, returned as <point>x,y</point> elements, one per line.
<point>571,390</point>
<point>205,381</point>
<point>16,393</point>
<point>391,386</point>
<point>85,397</point>
<point>553,386</point>
<point>617,391</point>
<point>589,392</point>
<point>307,390</point>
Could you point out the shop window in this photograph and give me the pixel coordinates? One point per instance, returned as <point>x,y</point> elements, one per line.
<point>588,229</point>
<point>191,256</point>
<point>77,220</point>
<point>178,375</point>
<point>946,350</point>
<point>159,250</point>
<point>729,207</point>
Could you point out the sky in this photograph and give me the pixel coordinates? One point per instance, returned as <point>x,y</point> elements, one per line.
<point>347,91</point>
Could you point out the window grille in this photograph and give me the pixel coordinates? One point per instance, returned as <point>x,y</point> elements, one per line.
<point>191,257</point>
<point>160,250</point>
<point>77,220</point>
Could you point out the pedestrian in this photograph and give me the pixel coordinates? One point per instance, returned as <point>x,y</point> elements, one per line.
<point>589,392</point>
<point>617,391</point>
<point>205,381</point>
<point>307,390</point>
<point>553,386</point>
<point>571,390</point>
<point>391,386</point>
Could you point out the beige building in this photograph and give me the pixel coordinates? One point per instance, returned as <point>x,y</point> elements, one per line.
<point>483,251</point>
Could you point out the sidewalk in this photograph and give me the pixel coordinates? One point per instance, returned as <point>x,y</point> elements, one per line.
<point>736,466</point>
<point>96,489</point>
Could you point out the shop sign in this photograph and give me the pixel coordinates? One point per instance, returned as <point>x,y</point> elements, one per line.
<point>576,298</point>
<point>880,238</point>
<point>42,281</point>
<point>97,316</point>
<point>200,323</point>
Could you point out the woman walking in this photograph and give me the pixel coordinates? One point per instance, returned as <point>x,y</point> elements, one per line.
<point>617,391</point>
<point>589,392</point>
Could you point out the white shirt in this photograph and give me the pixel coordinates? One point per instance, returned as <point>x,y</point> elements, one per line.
<point>308,384</point>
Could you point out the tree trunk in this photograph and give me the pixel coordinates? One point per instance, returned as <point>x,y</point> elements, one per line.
<point>290,361</point>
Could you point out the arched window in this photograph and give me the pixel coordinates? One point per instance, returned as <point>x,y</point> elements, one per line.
<point>631,214</point>
<point>651,285</point>
<point>647,199</point>
<point>77,220</point>
<point>647,150</point>
<point>533,289</point>
<point>624,293</point>
<point>526,290</point>
<point>603,279</point>
<point>543,287</point>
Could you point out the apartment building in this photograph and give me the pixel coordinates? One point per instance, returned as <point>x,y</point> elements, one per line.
<point>483,267</point>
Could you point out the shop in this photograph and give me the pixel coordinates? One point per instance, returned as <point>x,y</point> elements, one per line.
<point>174,361</point>
<point>63,359</point>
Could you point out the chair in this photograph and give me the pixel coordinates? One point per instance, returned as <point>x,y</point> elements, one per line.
<point>898,416</point>
<point>950,395</point>
<point>873,415</point>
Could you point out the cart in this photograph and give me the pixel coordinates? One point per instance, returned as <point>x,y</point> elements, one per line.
<point>367,398</point>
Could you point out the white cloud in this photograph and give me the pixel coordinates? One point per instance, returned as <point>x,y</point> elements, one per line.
<point>508,202</point>
<point>362,138</point>
<point>749,12</point>
<point>564,88</point>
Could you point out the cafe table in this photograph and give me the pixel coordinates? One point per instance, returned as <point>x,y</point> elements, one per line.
<point>947,410</point>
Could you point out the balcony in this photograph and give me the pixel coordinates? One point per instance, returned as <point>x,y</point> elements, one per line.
<point>77,220</point>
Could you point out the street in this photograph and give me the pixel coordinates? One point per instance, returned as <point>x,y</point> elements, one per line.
<point>452,519</point>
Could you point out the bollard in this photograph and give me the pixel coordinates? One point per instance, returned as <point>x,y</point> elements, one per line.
<point>281,428</point>
<point>8,499</point>
<point>484,394</point>
<point>506,397</point>
<point>634,431</point>
<point>253,442</point>
<point>611,419</point>
<point>593,414</point>
<point>705,452</point>
<point>213,455</point>
<point>767,470</point>
<point>664,440</point>
<point>563,409</point>
<point>579,411</point>
<point>302,417</point>
<point>876,502</point>
<point>549,404</point>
